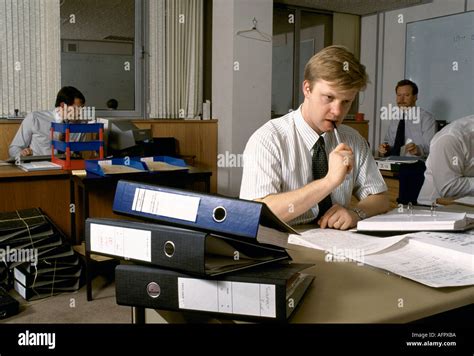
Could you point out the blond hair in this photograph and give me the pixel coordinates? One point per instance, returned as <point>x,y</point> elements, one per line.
<point>335,64</point>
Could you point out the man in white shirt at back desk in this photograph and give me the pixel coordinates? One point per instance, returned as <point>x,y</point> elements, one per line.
<point>412,127</point>
<point>33,137</point>
<point>450,165</point>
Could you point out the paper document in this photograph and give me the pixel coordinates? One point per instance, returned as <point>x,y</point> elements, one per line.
<point>422,260</point>
<point>436,259</point>
<point>330,239</point>
<point>465,200</point>
<point>39,166</point>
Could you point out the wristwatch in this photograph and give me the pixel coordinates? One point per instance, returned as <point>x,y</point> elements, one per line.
<point>360,213</point>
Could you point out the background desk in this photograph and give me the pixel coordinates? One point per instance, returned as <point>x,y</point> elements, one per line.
<point>53,191</point>
<point>95,194</point>
<point>48,190</point>
<point>344,292</point>
<point>195,138</point>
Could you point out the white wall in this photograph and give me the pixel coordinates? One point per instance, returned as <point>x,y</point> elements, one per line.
<point>389,64</point>
<point>241,98</point>
<point>97,19</point>
<point>368,50</point>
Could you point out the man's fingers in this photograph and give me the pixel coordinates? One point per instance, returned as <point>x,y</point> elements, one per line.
<point>346,225</point>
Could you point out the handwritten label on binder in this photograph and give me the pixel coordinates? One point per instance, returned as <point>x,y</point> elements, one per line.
<point>253,299</point>
<point>175,206</point>
<point>121,241</point>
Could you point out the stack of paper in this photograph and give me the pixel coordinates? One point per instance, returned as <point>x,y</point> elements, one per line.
<point>38,261</point>
<point>416,220</point>
<point>436,259</point>
<point>39,166</point>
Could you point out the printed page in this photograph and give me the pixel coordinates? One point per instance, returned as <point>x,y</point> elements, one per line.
<point>163,166</point>
<point>430,266</point>
<point>460,242</point>
<point>465,200</point>
<point>330,240</point>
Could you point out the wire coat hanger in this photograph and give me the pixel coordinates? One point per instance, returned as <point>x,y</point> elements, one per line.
<point>255,33</point>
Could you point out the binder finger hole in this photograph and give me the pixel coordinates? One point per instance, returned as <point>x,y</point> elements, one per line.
<point>169,248</point>
<point>219,214</point>
<point>153,289</point>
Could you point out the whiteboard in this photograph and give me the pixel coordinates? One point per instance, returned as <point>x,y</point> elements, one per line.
<point>100,77</point>
<point>439,59</point>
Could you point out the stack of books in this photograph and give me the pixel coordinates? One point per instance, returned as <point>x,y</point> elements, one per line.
<point>199,253</point>
<point>37,260</point>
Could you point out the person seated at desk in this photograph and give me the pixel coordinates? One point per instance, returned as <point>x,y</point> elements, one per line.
<point>285,161</point>
<point>450,164</point>
<point>33,136</point>
<point>413,127</point>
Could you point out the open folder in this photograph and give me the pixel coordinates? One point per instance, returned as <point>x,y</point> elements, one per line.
<point>417,220</point>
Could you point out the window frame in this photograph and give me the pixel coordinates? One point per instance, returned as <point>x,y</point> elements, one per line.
<point>139,51</point>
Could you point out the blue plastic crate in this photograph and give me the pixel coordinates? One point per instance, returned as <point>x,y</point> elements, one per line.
<point>77,146</point>
<point>76,128</point>
<point>94,166</point>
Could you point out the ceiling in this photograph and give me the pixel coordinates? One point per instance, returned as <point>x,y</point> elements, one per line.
<point>355,7</point>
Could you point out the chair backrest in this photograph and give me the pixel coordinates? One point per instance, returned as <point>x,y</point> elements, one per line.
<point>411,177</point>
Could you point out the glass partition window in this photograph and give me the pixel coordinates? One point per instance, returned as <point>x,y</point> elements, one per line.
<point>99,53</point>
<point>297,36</point>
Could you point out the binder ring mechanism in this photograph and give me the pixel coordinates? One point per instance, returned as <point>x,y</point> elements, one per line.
<point>219,214</point>
<point>153,289</point>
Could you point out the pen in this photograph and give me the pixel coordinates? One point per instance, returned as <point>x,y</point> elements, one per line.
<point>338,139</point>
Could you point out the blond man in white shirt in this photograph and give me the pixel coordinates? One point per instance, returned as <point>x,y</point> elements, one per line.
<point>278,166</point>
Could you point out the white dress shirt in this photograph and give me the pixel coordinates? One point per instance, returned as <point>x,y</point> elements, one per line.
<point>420,130</point>
<point>278,159</point>
<point>34,132</point>
<point>450,164</point>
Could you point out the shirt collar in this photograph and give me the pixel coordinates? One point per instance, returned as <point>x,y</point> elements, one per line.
<point>307,133</point>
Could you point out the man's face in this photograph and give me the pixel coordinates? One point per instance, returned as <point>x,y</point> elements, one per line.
<point>325,104</point>
<point>63,112</point>
<point>405,97</point>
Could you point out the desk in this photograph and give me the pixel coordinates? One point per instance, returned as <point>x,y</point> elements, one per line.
<point>48,190</point>
<point>98,192</point>
<point>344,292</point>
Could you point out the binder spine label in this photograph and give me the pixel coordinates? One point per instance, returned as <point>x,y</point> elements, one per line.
<point>170,205</point>
<point>120,241</point>
<point>20,289</point>
<point>20,277</point>
<point>252,299</point>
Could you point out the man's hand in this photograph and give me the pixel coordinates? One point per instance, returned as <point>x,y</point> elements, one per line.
<point>338,217</point>
<point>413,149</point>
<point>340,163</point>
<point>384,148</point>
<point>26,152</point>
